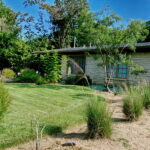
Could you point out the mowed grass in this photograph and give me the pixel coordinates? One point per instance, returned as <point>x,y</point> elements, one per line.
<point>55,106</point>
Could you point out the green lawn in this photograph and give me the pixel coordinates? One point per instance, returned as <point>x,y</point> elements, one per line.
<point>56,107</point>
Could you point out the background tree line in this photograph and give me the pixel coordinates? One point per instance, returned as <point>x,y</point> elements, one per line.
<point>64,24</point>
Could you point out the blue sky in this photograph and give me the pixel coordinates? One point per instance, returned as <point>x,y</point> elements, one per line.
<point>127,9</point>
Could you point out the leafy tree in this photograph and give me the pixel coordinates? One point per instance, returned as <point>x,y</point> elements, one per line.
<point>52,67</point>
<point>83,29</point>
<point>18,55</point>
<point>112,40</point>
<point>63,18</point>
<point>13,49</point>
<point>148,28</point>
<point>7,31</point>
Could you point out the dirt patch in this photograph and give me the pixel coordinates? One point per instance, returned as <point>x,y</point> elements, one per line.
<point>126,135</point>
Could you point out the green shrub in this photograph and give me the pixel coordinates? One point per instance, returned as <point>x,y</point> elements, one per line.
<point>51,65</point>
<point>8,73</point>
<point>78,79</point>
<point>71,79</point>
<point>40,81</point>
<point>23,70</point>
<point>133,103</point>
<point>28,76</point>
<point>99,121</point>
<point>4,100</point>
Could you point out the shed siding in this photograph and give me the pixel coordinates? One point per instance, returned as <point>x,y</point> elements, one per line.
<point>93,69</point>
<point>97,73</point>
<point>142,59</point>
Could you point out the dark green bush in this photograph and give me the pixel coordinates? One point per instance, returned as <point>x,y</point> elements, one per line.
<point>51,65</point>
<point>28,76</point>
<point>99,121</point>
<point>78,79</point>
<point>40,81</point>
<point>4,100</point>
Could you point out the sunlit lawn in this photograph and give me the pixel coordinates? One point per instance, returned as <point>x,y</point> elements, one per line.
<point>55,106</point>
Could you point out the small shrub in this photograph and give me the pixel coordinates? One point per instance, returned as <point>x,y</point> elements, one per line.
<point>4,100</point>
<point>70,79</point>
<point>8,73</point>
<point>132,107</point>
<point>99,121</point>
<point>23,70</point>
<point>40,81</point>
<point>78,79</point>
<point>28,76</point>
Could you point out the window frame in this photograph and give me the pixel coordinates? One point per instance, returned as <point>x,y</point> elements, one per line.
<point>119,74</point>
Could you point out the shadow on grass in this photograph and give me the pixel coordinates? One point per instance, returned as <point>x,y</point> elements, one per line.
<point>120,120</point>
<point>53,87</point>
<point>57,132</point>
<point>90,96</point>
<point>82,136</point>
<point>82,95</point>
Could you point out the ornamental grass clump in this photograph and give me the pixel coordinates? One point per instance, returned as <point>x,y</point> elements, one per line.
<point>145,93</point>
<point>4,100</point>
<point>133,103</point>
<point>99,121</point>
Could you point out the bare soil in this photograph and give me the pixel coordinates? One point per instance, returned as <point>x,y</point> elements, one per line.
<point>126,135</point>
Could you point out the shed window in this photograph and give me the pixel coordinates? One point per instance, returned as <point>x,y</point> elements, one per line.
<point>118,71</point>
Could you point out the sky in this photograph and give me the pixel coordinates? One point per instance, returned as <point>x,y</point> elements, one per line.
<point>127,9</point>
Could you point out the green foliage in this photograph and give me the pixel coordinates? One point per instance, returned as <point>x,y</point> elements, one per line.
<point>132,104</point>
<point>148,28</point>
<point>71,79</point>
<point>79,79</point>
<point>8,73</point>
<point>4,100</point>
<point>8,34</point>
<point>51,67</point>
<point>65,20</point>
<point>40,80</point>
<point>99,119</point>
<point>116,38</point>
<point>28,76</point>
<point>18,55</point>
<point>136,70</point>
<point>23,70</point>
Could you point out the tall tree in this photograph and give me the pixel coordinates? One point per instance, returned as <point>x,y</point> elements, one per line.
<point>112,40</point>
<point>63,16</point>
<point>13,50</point>
<point>8,32</point>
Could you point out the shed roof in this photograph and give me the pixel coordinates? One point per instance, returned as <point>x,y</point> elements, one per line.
<point>90,49</point>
